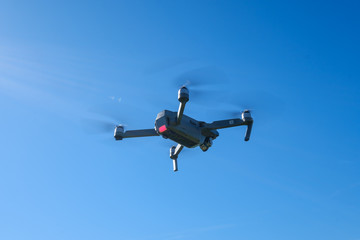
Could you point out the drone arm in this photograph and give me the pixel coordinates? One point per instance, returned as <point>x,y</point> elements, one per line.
<point>119,133</point>
<point>140,133</point>
<point>246,120</point>
<point>180,112</point>
<point>225,123</point>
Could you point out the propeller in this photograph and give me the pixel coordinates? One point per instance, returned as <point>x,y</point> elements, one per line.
<point>100,126</point>
<point>203,83</point>
<point>201,77</point>
<point>263,106</point>
<point>103,119</point>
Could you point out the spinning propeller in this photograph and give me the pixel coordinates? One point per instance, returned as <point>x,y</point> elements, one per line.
<point>204,83</point>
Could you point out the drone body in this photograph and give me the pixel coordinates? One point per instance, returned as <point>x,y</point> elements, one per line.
<point>185,130</point>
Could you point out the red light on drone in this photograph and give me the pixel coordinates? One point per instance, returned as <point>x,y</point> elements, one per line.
<point>162,128</point>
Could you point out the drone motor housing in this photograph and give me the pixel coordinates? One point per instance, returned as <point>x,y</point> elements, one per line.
<point>119,132</point>
<point>246,116</point>
<point>183,94</point>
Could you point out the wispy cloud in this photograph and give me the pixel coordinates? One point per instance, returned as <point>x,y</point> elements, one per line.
<point>41,85</point>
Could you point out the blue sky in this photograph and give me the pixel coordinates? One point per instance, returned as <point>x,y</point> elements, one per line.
<point>65,63</point>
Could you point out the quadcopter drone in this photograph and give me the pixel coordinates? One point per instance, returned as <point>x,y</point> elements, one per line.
<point>184,130</point>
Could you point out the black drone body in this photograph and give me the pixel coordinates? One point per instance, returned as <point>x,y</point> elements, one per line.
<point>184,130</point>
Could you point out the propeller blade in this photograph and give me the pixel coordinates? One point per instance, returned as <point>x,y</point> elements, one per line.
<point>200,77</point>
<point>204,84</point>
<point>99,126</point>
<point>264,107</point>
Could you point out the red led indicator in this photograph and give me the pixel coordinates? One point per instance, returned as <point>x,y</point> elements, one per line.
<point>162,128</point>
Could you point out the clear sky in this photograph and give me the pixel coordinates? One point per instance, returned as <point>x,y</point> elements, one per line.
<point>64,64</point>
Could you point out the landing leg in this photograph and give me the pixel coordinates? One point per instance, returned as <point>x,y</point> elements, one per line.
<point>175,167</point>
<point>174,153</point>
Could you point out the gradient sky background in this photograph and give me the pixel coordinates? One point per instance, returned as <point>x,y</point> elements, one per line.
<point>65,63</point>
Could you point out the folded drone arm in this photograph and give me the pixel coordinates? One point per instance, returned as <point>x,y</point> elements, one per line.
<point>119,133</point>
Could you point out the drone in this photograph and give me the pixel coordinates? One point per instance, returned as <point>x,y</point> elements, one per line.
<point>184,130</point>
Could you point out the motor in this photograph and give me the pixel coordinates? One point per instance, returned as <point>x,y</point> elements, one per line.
<point>246,117</point>
<point>119,132</point>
